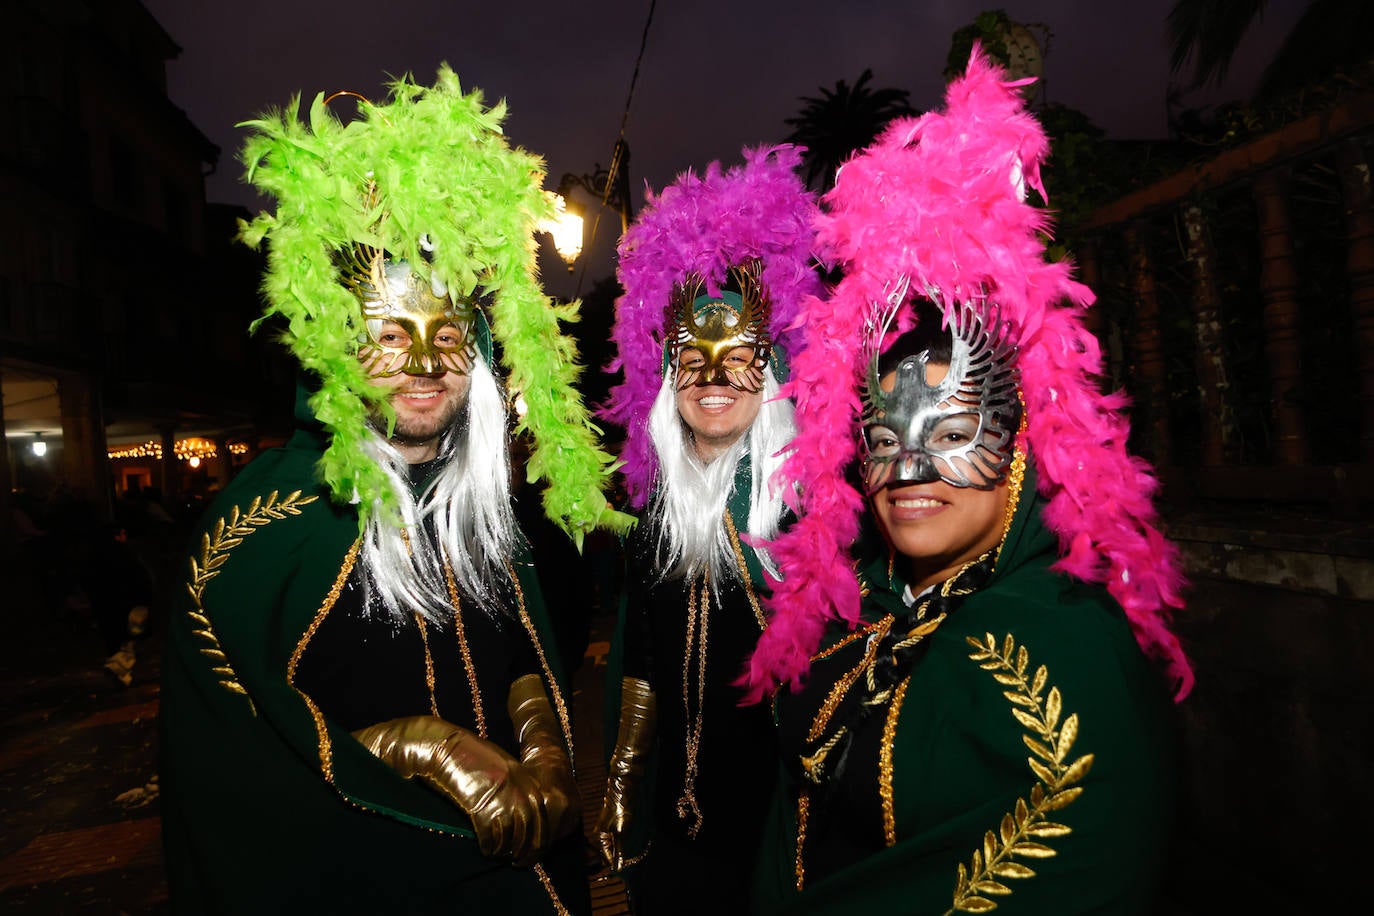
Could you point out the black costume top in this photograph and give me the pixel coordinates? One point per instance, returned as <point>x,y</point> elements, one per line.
<point>715,761</point>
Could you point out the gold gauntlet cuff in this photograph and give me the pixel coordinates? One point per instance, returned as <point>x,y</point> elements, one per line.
<point>544,754</point>
<point>638,714</point>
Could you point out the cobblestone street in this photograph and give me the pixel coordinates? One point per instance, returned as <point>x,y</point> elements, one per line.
<point>79,795</point>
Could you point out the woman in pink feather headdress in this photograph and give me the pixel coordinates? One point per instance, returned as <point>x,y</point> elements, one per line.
<point>973,722</point>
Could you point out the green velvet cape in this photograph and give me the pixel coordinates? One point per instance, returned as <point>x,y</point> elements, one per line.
<point>969,757</point>
<point>267,806</point>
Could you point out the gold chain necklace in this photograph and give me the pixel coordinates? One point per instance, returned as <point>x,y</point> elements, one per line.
<point>698,616</point>
<point>698,625</point>
<point>468,666</point>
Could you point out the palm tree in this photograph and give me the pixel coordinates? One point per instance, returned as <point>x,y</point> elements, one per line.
<point>1332,36</point>
<point>1008,42</point>
<point>840,121</point>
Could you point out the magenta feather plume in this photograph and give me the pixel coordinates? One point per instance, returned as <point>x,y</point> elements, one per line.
<point>705,225</point>
<point>939,201</point>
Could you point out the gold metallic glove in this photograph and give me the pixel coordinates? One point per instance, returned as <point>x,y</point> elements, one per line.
<point>638,713</point>
<point>544,755</point>
<point>500,797</point>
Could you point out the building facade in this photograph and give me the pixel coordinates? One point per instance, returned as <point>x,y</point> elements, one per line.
<point>123,302</point>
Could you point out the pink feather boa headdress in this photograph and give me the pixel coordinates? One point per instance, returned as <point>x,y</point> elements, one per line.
<point>938,201</point>
<point>705,225</point>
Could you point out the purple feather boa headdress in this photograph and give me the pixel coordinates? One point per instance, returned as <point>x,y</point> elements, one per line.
<point>939,200</point>
<point>705,225</point>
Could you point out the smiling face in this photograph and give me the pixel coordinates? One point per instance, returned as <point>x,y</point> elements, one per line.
<point>938,527</point>
<point>717,414</point>
<point>427,403</point>
<point>418,342</point>
<point>718,354</point>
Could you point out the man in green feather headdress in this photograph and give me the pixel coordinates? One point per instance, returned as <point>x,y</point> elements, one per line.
<point>361,709</point>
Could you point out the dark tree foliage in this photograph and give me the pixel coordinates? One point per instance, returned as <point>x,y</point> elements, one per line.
<point>839,121</point>
<point>1331,37</point>
<point>992,29</point>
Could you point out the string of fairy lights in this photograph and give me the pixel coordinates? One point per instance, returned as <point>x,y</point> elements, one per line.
<point>184,450</point>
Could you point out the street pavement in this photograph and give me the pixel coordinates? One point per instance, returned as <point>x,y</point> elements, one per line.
<point>78,766</point>
<point>78,777</point>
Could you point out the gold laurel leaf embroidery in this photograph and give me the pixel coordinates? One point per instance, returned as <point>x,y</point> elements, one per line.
<point>1060,800</point>
<point>1067,735</point>
<point>1050,742</point>
<point>1034,850</point>
<point>1078,769</point>
<point>1039,749</point>
<point>215,547</point>
<point>1042,772</point>
<point>1048,829</point>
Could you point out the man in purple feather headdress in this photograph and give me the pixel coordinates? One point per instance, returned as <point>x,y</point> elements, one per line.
<point>714,272</point>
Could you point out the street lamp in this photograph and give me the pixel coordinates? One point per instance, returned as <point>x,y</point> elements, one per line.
<point>565,228</point>
<point>611,186</point>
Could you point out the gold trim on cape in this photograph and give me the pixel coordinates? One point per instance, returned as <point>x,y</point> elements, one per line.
<point>214,552</point>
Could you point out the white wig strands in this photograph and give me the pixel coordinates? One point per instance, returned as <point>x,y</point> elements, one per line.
<point>464,515</point>
<point>690,500</point>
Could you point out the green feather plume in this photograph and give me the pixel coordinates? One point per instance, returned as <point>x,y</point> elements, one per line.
<point>437,165</point>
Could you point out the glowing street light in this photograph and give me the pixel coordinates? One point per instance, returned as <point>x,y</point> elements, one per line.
<point>611,187</point>
<point>566,229</point>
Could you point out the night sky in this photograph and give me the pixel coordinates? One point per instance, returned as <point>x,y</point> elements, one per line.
<point>716,75</point>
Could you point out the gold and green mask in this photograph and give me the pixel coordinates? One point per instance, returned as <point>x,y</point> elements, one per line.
<point>413,325</point>
<point>709,332</point>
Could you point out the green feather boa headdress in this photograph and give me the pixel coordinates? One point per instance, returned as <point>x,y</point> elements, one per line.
<point>431,162</point>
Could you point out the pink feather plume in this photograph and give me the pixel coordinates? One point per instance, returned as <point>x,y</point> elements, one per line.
<point>940,201</point>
